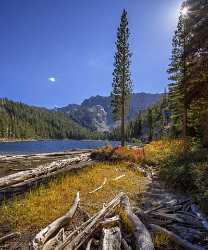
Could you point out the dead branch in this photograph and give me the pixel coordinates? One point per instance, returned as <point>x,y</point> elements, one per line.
<point>177,239</point>
<point>9,236</point>
<point>119,177</point>
<point>87,230</point>
<point>95,190</point>
<point>46,233</point>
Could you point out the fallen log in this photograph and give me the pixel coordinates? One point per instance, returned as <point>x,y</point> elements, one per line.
<point>143,240</point>
<point>42,170</point>
<point>46,233</point>
<point>21,187</point>
<point>111,239</point>
<point>177,239</point>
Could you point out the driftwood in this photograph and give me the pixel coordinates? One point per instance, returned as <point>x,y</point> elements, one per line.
<point>9,236</point>
<point>100,187</point>
<point>89,244</point>
<point>116,223</point>
<point>51,229</point>
<point>140,233</point>
<point>110,221</point>
<point>111,239</point>
<point>20,188</point>
<point>125,244</point>
<point>84,235</point>
<point>178,240</point>
<point>119,177</point>
<point>39,171</point>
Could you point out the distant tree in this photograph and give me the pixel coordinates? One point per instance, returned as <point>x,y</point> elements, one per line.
<point>150,123</point>
<point>122,85</point>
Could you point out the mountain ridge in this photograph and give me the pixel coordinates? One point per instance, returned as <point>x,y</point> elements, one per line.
<point>95,112</point>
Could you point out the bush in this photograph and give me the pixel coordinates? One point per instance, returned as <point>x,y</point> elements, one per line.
<point>118,154</point>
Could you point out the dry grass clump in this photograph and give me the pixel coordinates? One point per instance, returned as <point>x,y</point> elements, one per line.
<point>161,240</point>
<point>45,204</point>
<point>160,150</point>
<point>108,153</point>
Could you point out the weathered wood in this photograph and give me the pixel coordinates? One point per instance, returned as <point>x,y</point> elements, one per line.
<point>89,243</point>
<point>46,233</point>
<point>111,239</point>
<point>85,233</point>
<point>119,177</point>
<point>54,242</point>
<point>141,235</point>
<point>100,187</point>
<point>110,221</point>
<point>41,170</point>
<point>20,188</point>
<point>9,236</point>
<point>177,239</point>
<point>202,217</point>
<point>125,245</point>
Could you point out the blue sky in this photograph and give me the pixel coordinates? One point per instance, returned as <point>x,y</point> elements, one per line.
<point>56,52</point>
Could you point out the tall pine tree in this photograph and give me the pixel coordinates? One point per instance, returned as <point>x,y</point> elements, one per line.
<point>122,85</point>
<point>179,76</point>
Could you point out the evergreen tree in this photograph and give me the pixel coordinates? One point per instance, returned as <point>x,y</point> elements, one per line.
<point>122,85</point>
<point>178,70</point>
<point>150,123</point>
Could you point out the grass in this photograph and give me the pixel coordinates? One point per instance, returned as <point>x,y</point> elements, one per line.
<point>183,166</point>
<point>44,204</point>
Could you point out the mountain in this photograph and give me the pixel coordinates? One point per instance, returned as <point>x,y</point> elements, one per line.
<point>21,121</point>
<point>95,113</point>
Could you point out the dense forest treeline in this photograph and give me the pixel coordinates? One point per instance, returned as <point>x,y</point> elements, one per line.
<point>183,112</point>
<point>188,71</point>
<point>21,121</point>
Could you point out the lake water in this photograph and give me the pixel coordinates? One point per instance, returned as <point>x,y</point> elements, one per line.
<point>49,146</point>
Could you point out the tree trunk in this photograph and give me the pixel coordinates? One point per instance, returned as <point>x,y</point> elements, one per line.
<point>111,239</point>
<point>123,123</point>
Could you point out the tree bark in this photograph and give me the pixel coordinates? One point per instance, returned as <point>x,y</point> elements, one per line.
<point>141,235</point>
<point>111,239</point>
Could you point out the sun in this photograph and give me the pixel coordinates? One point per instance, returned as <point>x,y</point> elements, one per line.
<point>184,11</point>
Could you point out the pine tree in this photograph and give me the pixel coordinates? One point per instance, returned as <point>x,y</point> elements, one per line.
<point>179,75</point>
<point>122,85</point>
<point>150,123</point>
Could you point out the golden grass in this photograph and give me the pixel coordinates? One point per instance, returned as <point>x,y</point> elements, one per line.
<point>161,241</point>
<point>44,204</point>
<point>160,150</point>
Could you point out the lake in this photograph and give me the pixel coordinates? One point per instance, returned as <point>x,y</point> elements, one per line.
<point>49,146</point>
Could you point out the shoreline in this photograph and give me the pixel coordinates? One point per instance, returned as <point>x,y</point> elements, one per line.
<point>34,140</point>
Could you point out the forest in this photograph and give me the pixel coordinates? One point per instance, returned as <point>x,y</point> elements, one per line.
<point>20,121</point>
